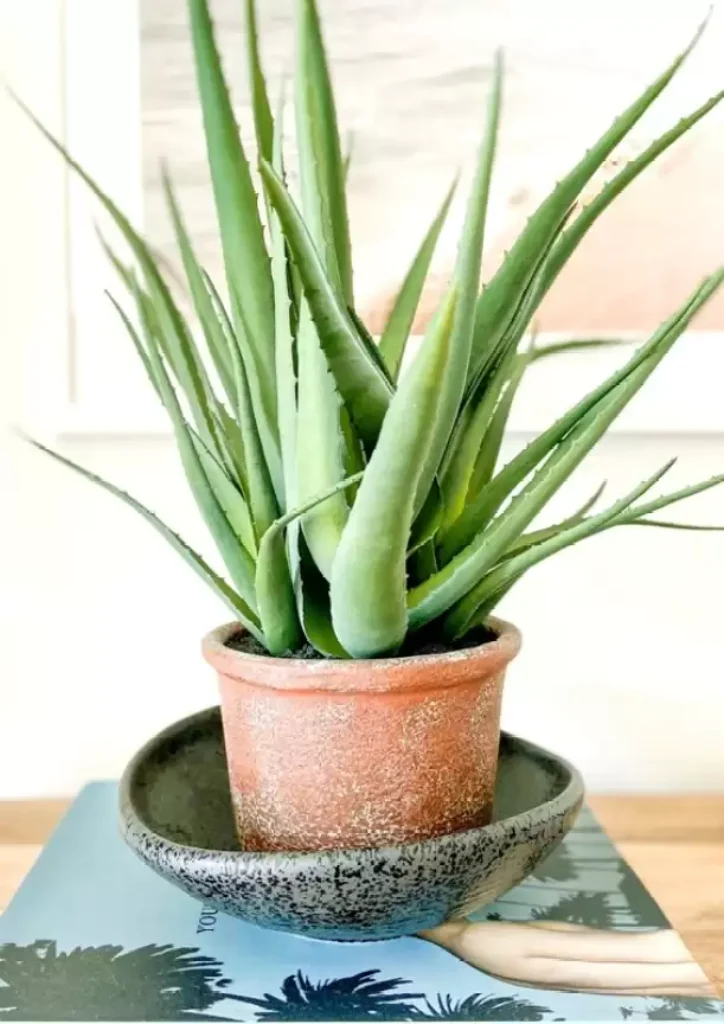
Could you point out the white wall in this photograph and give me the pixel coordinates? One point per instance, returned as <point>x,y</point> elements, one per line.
<point>100,624</point>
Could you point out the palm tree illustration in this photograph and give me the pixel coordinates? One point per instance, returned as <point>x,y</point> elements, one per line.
<point>559,867</point>
<point>357,997</point>
<point>479,1007</point>
<point>589,908</point>
<point>672,1008</point>
<point>40,983</point>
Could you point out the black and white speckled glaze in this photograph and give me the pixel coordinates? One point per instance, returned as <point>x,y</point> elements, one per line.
<point>176,815</point>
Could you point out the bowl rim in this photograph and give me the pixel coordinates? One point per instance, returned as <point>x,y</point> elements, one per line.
<point>571,796</point>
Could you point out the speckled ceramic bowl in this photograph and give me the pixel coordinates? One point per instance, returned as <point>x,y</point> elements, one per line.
<point>176,815</point>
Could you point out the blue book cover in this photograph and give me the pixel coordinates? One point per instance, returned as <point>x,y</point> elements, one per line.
<point>93,934</point>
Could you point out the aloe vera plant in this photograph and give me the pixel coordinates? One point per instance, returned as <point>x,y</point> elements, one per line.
<point>357,508</point>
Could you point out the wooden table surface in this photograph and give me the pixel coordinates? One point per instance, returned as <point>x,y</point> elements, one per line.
<point>676,844</point>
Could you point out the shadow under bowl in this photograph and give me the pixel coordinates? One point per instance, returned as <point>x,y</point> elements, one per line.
<point>176,815</point>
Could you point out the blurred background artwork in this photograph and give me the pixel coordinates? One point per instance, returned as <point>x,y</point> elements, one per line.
<point>100,625</point>
<point>412,79</point>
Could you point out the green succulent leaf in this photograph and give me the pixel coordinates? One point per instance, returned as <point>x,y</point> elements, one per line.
<point>238,606</point>
<point>451,386</point>
<point>478,603</point>
<point>236,558</point>
<point>167,319</point>
<point>457,474</point>
<point>557,348</point>
<point>428,521</point>
<point>434,597</point>
<point>528,540</point>
<point>137,343</point>
<point>697,527</point>
<point>275,595</point>
<point>229,426</point>
<point>396,333</point>
<point>638,512</point>
<point>353,504</point>
<point>228,495</point>
<point>314,607</point>
<point>364,387</point>
<point>242,238</point>
<point>487,458</point>
<point>498,299</point>
<point>262,501</point>
<point>284,347</point>
<point>320,447</point>
<point>203,305</point>
<point>263,121</point>
<point>275,592</point>
<point>483,507</point>
<point>320,157</point>
<point>368,581</point>
<point>576,231</point>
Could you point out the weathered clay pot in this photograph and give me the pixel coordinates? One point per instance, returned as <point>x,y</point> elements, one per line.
<point>351,754</point>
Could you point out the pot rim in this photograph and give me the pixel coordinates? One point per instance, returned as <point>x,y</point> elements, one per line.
<point>413,671</point>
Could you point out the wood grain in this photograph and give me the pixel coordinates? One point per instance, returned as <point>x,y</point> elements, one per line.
<point>675,844</point>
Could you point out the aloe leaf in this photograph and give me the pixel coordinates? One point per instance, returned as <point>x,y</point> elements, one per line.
<point>478,408</point>
<point>322,497</point>
<point>263,121</point>
<point>314,608</point>
<point>229,496</point>
<point>697,527</point>
<point>228,425</point>
<point>320,446</point>
<point>399,323</point>
<point>178,350</point>
<point>422,564</point>
<point>260,491</point>
<point>664,500</point>
<point>320,158</point>
<point>480,510</point>
<point>245,257</point>
<point>275,592</point>
<point>203,305</point>
<point>573,234</point>
<point>368,584</point>
<point>275,595</point>
<point>284,344</point>
<point>489,453</point>
<point>558,348</point>
<point>176,337</point>
<point>236,558</point>
<point>451,386</point>
<point>369,342</point>
<point>458,472</point>
<point>434,597</point>
<point>498,297</point>
<point>225,489</point>
<point>364,388</point>
<point>527,540</point>
<point>238,606</point>
<point>137,343</point>
<point>475,605</point>
<point>428,521</point>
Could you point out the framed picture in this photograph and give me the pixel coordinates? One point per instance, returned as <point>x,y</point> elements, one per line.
<point>411,79</point>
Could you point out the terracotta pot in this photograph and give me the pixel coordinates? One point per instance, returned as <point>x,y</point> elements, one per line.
<point>354,754</point>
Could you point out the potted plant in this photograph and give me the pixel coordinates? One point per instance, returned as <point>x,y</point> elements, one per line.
<point>367,528</point>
